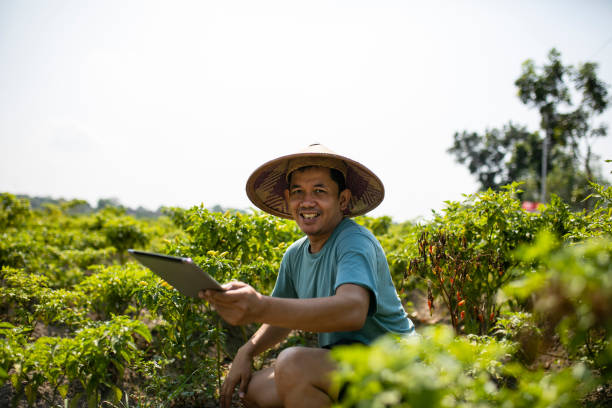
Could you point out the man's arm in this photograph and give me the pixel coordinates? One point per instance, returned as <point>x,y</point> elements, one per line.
<point>240,371</point>
<point>265,337</point>
<point>344,311</point>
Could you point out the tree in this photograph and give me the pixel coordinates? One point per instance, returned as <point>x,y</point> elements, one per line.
<point>560,152</point>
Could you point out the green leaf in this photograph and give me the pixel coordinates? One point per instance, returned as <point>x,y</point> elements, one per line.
<point>14,380</point>
<point>63,390</point>
<point>74,403</point>
<point>117,393</point>
<point>521,288</point>
<point>92,400</point>
<point>30,391</point>
<point>144,332</point>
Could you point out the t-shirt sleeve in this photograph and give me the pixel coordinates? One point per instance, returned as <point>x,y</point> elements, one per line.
<point>283,288</point>
<point>357,265</point>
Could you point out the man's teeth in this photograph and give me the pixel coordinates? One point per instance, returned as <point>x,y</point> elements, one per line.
<point>309,215</point>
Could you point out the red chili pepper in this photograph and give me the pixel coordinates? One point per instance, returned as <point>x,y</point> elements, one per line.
<point>492,316</point>
<point>461,303</point>
<point>462,314</point>
<point>480,317</point>
<point>458,295</point>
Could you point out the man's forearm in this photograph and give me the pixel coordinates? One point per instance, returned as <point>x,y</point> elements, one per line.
<point>265,337</point>
<point>239,303</point>
<point>345,311</point>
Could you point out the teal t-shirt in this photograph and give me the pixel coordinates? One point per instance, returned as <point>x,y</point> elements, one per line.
<point>350,255</point>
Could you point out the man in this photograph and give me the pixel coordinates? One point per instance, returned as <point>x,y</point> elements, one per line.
<point>335,281</point>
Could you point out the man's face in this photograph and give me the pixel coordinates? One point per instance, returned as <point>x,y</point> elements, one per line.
<point>314,202</point>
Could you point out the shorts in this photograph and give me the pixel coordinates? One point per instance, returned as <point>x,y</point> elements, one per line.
<point>345,342</point>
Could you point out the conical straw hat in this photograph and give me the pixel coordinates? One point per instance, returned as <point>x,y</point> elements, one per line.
<point>266,186</point>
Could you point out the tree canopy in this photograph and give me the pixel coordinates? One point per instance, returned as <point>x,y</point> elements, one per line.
<point>568,99</point>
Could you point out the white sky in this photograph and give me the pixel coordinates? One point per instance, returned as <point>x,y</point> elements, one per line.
<point>177,102</point>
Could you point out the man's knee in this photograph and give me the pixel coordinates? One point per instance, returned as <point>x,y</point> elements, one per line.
<point>302,366</point>
<point>302,373</point>
<point>261,391</point>
<point>288,367</point>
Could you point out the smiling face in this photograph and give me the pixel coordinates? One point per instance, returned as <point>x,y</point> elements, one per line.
<point>315,204</point>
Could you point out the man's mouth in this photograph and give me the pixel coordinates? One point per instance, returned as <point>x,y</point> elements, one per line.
<point>309,215</point>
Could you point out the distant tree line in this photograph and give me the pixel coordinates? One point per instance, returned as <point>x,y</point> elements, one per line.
<point>77,206</point>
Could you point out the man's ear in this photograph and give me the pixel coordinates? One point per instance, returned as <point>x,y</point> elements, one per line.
<point>286,195</point>
<point>345,197</point>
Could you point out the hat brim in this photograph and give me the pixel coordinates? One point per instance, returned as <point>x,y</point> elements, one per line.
<point>266,186</point>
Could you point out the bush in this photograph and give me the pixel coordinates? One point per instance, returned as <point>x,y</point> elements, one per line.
<point>441,370</point>
<point>572,291</point>
<point>464,255</point>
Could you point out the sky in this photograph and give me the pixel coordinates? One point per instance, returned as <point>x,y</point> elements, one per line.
<point>175,103</point>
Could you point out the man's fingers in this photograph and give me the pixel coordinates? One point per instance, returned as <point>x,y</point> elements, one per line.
<point>226,395</point>
<point>229,292</point>
<point>228,297</point>
<point>233,285</point>
<point>244,385</point>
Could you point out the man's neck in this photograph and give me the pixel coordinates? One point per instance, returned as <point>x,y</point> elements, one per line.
<point>318,241</point>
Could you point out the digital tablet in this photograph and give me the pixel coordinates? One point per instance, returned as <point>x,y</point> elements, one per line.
<point>181,273</point>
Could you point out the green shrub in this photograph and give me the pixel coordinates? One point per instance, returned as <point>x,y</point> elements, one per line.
<point>464,255</point>
<point>124,233</point>
<point>96,357</point>
<point>110,290</point>
<point>441,370</point>
<point>14,211</point>
<point>26,299</point>
<point>572,291</point>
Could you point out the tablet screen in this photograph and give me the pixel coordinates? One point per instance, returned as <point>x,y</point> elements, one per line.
<point>181,273</point>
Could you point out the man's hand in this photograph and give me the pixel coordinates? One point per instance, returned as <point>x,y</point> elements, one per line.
<point>238,304</point>
<point>240,372</point>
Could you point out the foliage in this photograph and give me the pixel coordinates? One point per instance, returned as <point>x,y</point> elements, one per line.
<point>28,299</point>
<point>96,357</point>
<point>522,329</point>
<point>378,226</point>
<point>573,295</point>
<point>465,254</point>
<point>80,321</point>
<point>441,370</point>
<point>13,211</point>
<point>124,233</point>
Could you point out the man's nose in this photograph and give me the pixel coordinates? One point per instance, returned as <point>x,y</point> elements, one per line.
<point>308,200</point>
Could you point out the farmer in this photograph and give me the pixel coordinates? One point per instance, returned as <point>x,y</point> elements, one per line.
<point>335,281</point>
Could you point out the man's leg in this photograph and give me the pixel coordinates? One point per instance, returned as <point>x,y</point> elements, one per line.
<point>302,377</point>
<point>299,377</point>
<point>261,392</point>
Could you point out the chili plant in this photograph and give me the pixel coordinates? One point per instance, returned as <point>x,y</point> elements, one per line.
<point>465,255</point>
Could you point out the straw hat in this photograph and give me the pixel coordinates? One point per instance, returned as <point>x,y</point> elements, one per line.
<point>267,184</point>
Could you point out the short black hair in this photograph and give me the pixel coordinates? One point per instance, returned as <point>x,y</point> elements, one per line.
<point>336,176</point>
